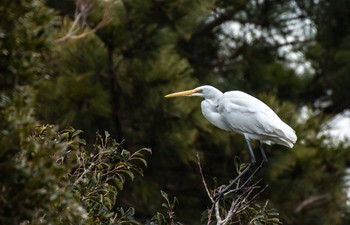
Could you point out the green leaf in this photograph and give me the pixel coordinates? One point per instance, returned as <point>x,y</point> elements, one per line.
<point>82,142</point>
<point>125,154</point>
<point>165,195</point>
<point>147,149</point>
<point>237,163</point>
<point>127,172</point>
<point>272,212</point>
<point>107,135</point>
<point>118,183</point>
<point>76,133</point>
<point>142,160</point>
<point>130,212</point>
<point>108,203</point>
<point>256,222</point>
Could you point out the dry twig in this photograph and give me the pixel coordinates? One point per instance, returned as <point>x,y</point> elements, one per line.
<point>310,201</point>
<point>80,28</point>
<point>239,202</point>
<point>203,179</point>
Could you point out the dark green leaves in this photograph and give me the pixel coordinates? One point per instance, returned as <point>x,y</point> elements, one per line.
<point>169,206</point>
<point>102,174</point>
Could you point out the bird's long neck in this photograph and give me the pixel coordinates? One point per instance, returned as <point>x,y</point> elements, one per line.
<point>210,107</point>
<point>214,96</point>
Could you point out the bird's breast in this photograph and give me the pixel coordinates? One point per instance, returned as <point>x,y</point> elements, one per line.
<point>211,113</point>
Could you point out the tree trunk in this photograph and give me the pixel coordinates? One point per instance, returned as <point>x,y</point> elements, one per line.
<point>115,94</point>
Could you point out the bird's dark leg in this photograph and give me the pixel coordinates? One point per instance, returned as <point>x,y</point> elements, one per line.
<point>250,165</point>
<point>263,153</point>
<point>262,164</point>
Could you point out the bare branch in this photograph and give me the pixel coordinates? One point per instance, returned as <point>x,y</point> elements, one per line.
<point>83,174</point>
<point>239,203</point>
<point>217,212</point>
<point>203,179</point>
<point>80,28</point>
<point>208,27</point>
<point>239,200</point>
<point>210,211</point>
<point>309,201</point>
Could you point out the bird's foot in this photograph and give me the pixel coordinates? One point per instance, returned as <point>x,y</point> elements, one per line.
<point>218,196</point>
<point>222,192</point>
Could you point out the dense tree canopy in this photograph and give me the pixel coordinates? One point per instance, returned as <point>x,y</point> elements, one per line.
<point>106,65</point>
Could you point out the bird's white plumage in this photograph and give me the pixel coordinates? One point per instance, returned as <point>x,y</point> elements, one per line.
<point>242,113</point>
<point>250,116</point>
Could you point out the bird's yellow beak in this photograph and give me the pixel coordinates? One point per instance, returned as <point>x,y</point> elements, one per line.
<point>181,93</point>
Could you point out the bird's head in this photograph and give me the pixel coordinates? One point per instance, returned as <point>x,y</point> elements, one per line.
<point>205,91</point>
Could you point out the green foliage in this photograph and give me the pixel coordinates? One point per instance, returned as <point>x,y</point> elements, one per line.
<point>101,175</point>
<point>33,185</point>
<point>25,41</point>
<point>49,178</point>
<point>329,54</point>
<point>169,207</point>
<point>74,86</point>
<point>263,216</point>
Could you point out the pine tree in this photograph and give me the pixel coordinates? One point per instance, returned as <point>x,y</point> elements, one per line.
<point>112,71</point>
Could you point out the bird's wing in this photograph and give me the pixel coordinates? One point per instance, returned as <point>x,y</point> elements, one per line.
<point>245,114</point>
<point>242,118</point>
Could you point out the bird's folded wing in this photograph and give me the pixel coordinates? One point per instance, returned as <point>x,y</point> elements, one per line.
<point>252,119</point>
<point>243,119</point>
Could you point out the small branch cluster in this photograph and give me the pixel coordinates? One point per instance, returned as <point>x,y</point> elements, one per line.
<point>240,204</point>
<point>80,28</point>
<point>169,205</point>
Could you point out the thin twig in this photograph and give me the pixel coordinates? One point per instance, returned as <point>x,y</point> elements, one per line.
<point>309,201</point>
<point>83,9</point>
<point>203,179</point>
<point>254,197</point>
<point>217,212</point>
<point>83,174</point>
<point>239,203</point>
<point>210,212</point>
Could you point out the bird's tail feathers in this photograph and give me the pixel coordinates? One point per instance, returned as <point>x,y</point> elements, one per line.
<point>287,136</point>
<point>281,134</point>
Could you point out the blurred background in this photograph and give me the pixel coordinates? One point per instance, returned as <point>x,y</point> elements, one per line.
<point>106,65</point>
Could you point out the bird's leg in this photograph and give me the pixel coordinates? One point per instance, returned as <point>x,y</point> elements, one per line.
<point>251,164</point>
<point>263,153</point>
<point>262,164</point>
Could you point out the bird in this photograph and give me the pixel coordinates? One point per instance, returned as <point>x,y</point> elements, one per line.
<point>239,112</point>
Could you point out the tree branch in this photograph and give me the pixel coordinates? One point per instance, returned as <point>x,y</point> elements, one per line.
<point>208,27</point>
<point>79,27</point>
<point>203,180</point>
<point>309,201</point>
<point>239,201</point>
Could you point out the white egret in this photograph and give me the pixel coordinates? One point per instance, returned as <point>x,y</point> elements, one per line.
<point>242,113</point>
